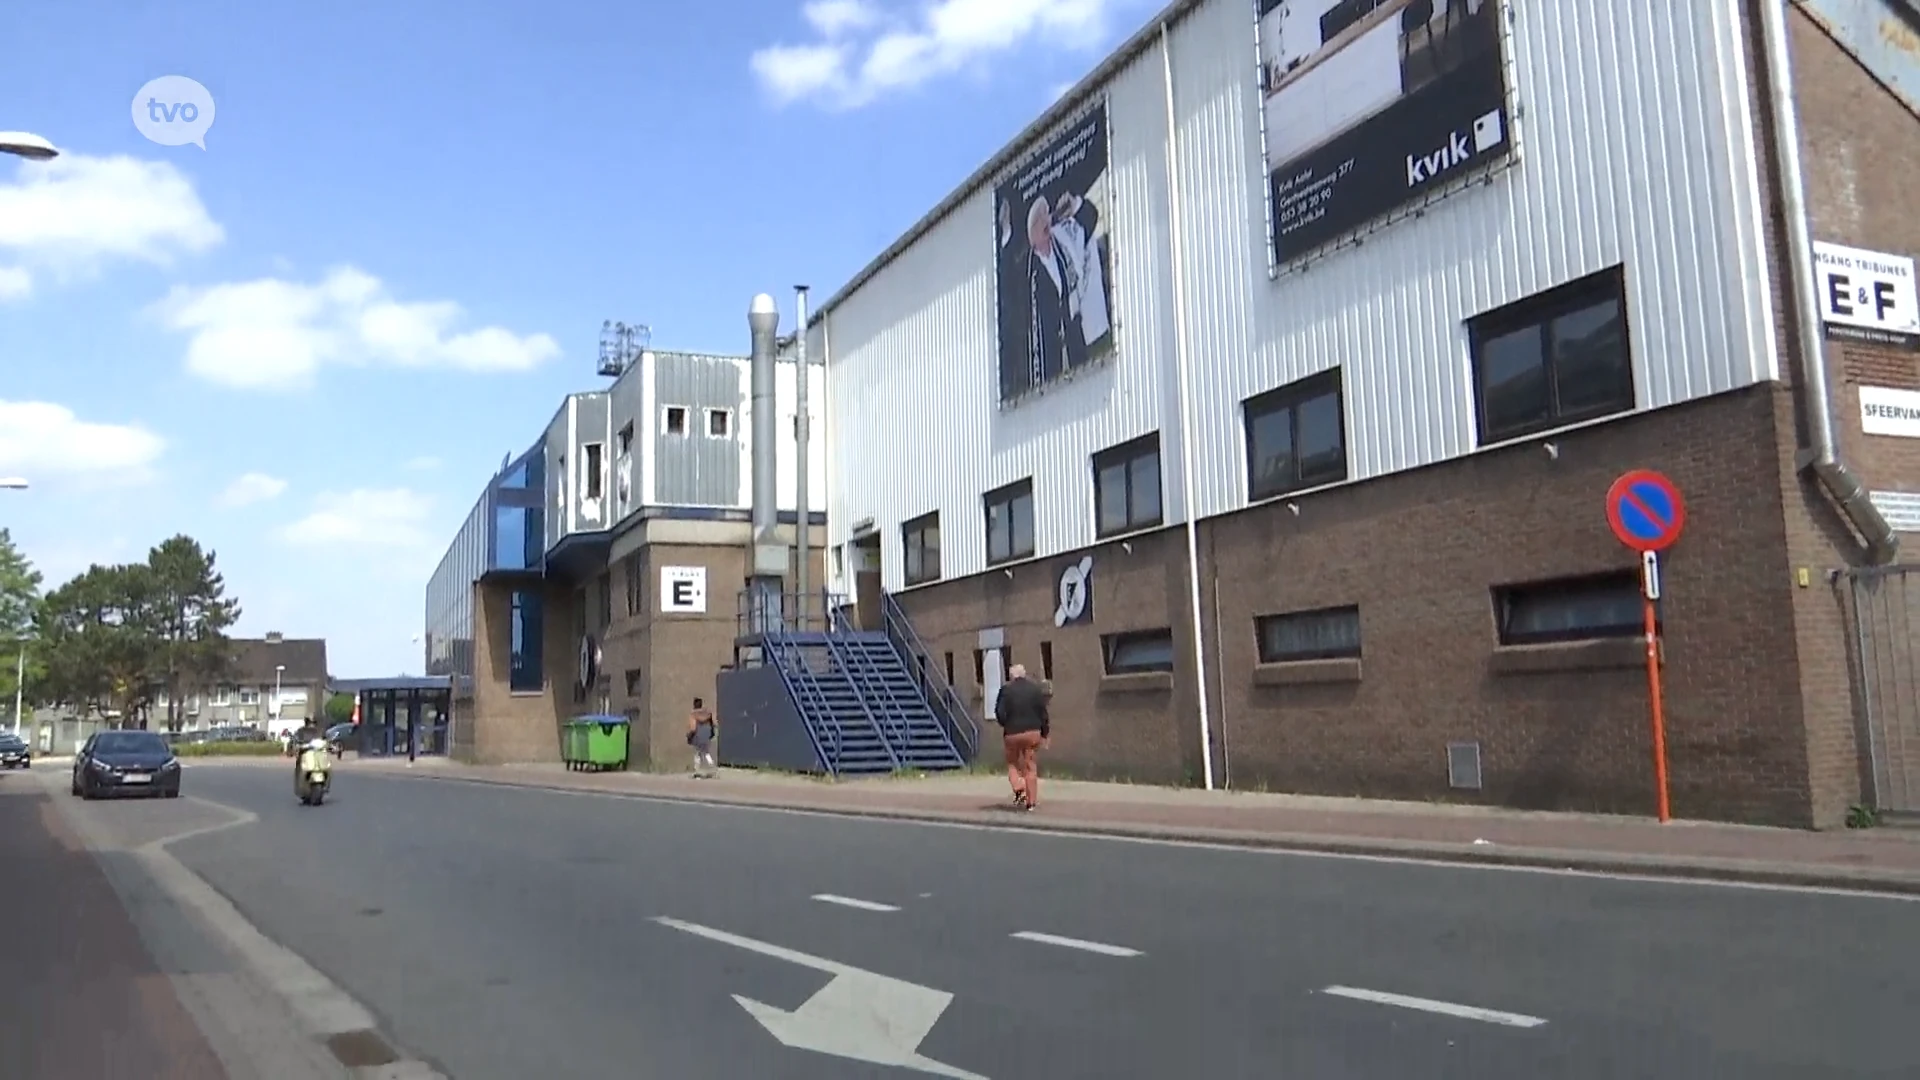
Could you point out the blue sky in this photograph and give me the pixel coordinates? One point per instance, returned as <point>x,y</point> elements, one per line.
<point>310,343</point>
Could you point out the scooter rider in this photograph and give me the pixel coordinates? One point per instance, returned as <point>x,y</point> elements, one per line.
<point>308,732</point>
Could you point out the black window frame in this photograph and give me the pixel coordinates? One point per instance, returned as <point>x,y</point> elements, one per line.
<point>725,416</point>
<point>1112,645</point>
<point>603,600</point>
<point>1008,498</point>
<point>1620,587</point>
<point>1538,312</point>
<point>913,538</point>
<point>1127,455</point>
<point>1264,626</point>
<point>1290,399</point>
<point>635,571</point>
<point>593,465</point>
<point>667,426</point>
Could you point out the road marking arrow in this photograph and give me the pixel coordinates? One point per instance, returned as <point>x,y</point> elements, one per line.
<point>858,1014</point>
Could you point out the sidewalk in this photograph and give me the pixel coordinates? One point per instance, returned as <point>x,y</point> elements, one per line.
<point>1885,860</point>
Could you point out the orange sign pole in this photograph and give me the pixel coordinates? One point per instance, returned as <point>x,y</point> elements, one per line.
<point>1650,578</point>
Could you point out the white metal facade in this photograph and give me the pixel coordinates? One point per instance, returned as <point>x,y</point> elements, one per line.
<point>1635,146</point>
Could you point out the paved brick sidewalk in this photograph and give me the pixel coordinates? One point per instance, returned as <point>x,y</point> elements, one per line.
<point>81,998</point>
<point>1878,859</point>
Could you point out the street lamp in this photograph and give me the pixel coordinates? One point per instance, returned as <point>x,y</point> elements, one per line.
<point>27,145</point>
<point>13,483</point>
<point>275,708</point>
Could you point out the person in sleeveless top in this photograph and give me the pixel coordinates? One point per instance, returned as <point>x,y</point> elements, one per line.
<point>702,729</point>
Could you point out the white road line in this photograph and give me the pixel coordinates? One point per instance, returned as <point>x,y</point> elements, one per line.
<point>848,901</point>
<point>1076,943</point>
<point>1446,1008</point>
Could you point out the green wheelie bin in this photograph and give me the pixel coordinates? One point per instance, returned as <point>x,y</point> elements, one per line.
<point>608,741</point>
<point>573,743</point>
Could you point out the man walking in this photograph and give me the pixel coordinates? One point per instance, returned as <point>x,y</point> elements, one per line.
<point>1025,728</point>
<point>701,729</point>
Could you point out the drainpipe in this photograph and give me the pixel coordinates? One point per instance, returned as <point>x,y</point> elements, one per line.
<point>1177,258</point>
<point>803,532</point>
<point>769,556</point>
<point>1823,456</point>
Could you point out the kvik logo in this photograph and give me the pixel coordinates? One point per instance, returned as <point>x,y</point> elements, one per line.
<point>1460,147</point>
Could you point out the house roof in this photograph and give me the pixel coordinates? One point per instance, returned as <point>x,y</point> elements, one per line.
<point>254,660</point>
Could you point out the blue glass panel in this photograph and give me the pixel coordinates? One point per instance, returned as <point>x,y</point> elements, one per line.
<point>526,666</point>
<point>510,537</point>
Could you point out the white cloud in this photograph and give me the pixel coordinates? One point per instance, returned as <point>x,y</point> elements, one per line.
<point>39,437</point>
<point>390,517</point>
<point>274,334</point>
<point>73,214</point>
<point>863,52</point>
<point>251,488</point>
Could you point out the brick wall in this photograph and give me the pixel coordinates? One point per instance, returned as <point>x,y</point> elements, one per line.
<point>501,725</point>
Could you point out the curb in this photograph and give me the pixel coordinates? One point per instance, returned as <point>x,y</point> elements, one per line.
<point>1721,871</point>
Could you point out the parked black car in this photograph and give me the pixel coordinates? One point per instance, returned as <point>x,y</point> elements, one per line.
<point>14,752</point>
<point>126,763</point>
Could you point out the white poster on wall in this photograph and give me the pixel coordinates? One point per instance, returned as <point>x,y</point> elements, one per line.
<point>1867,295</point>
<point>683,590</point>
<point>1887,411</point>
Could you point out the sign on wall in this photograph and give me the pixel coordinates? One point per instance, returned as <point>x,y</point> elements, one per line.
<point>1053,273</point>
<point>1886,411</point>
<point>1075,593</point>
<point>1867,295</point>
<point>683,590</point>
<point>1370,105</point>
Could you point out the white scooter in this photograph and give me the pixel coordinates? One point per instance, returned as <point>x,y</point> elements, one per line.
<point>315,777</point>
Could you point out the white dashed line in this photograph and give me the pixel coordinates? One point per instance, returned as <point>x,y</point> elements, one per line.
<point>848,901</point>
<point>1076,943</point>
<point>1446,1008</point>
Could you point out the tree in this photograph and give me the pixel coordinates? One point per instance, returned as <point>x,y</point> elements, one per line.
<point>19,601</point>
<point>191,613</point>
<point>98,641</point>
<point>339,709</point>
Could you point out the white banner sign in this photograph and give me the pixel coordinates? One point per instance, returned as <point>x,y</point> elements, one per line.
<point>683,590</point>
<point>1886,411</point>
<point>1868,290</point>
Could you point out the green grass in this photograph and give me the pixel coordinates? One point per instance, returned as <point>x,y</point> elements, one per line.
<point>228,749</point>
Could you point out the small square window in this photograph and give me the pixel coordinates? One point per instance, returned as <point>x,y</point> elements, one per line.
<point>719,423</point>
<point>1586,608</point>
<point>676,419</point>
<point>1137,652</point>
<point>1296,437</point>
<point>1326,634</point>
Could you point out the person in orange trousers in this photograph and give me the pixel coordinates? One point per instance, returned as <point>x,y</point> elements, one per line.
<point>1025,729</point>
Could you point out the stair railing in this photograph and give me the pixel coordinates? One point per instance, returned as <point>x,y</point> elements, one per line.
<point>953,715</point>
<point>790,661</point>
<point>839,653</point>
<point>870,685</point>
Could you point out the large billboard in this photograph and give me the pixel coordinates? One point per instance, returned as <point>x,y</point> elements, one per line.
<point>1054,269</point>
<point>1370,105</point>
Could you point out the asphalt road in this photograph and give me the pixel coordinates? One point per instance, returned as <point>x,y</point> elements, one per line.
<point>511,933</point>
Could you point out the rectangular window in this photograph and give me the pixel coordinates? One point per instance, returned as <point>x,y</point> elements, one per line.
<point>222,696</point>
<point>633,682</point>
<point>625,439</point>
<point>719,423</point>
<point>591,482</point>
<point>979,667</point>
<point>1126,486</point>
<point>1555,358</point>
<point>1325,634</point>
<point>526,663</point>
<point>1010,522</point>
<point>636,576</point>
<point>921,540</point>
<point>1571,609</point>
<point>1136,652</point>
<point>249,697</point>
<point>949,669</point>
<point>1296,436</point>
<point>676,419</point>
<point>1046,660</point>
<point>603,600</point>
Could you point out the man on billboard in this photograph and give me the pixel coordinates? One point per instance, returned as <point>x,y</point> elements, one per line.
<point>1065,284</point>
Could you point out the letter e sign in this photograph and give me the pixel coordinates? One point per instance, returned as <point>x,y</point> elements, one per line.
<point>683,590</point>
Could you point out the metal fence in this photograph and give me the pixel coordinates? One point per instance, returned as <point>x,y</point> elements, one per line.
<point>1885,613</point>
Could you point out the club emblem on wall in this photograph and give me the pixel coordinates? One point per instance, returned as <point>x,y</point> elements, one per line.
<point>1076,594</point>
<point>589,661</point>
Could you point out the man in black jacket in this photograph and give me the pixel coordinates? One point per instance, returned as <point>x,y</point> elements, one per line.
<point>1025,728</point>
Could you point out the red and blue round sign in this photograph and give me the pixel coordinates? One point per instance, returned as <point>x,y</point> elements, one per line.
<point>1646,510</point>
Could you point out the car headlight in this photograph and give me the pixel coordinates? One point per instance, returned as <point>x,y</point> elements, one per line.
<point>96,763</point>
<point>170,764</point>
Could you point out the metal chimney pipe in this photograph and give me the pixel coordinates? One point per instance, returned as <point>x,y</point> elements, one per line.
<point>769,563</point>
<point>803,531</point>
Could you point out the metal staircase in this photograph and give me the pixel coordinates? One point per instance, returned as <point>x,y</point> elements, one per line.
<point>866,709</point>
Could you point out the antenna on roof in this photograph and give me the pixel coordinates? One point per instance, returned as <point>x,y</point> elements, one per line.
<point>621,345</point>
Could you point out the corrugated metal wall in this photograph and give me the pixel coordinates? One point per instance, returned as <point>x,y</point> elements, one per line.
<point>696,467</point>
<point>1634,145</point>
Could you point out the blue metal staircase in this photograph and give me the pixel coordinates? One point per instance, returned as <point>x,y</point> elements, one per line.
<point>866,707</point>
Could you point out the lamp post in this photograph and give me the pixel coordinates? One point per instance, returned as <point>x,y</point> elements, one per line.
<point>27,145</point>
<point>273,707</point>
<point>16,483</point>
